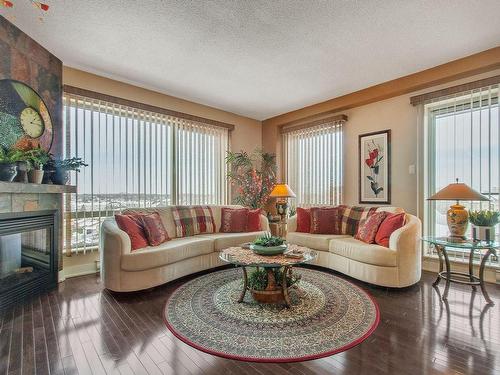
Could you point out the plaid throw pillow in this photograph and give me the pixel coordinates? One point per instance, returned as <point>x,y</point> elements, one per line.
<point>192,220</point>
<point>351,216</point>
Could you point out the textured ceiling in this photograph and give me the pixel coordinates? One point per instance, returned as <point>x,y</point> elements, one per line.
<point>260,58</point>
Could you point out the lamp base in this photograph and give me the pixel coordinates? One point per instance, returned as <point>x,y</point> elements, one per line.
<point>457,218</point>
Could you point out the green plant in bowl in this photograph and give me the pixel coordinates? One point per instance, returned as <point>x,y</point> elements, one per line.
<point>484,218</point>
<point>483,224</point>
<point>268,245</point>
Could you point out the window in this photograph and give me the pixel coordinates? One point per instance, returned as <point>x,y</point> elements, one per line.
<point>462,141</point>
<point>313,163</point>
<point>137,159</point>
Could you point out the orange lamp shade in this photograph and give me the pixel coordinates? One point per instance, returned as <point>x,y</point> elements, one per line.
<point>282,191</point>
<point>458,192</point>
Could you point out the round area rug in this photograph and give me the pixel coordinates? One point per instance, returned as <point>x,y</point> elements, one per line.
<point>327,315</point>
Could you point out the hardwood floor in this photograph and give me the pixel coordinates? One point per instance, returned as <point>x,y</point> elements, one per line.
<point>82,329</point>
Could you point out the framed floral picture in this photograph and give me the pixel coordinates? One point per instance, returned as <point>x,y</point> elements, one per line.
<point>375,167</point>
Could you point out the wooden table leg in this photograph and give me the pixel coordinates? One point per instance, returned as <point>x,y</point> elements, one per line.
<point>284,287</point>
<point>245,285</point>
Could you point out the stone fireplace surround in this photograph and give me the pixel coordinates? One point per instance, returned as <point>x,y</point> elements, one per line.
<point>20,197</point>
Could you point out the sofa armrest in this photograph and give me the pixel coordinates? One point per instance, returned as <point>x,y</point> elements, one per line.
<point>113,243</point>
<point>264,223</point>
<point>291,224</point>
<point>406,241</point>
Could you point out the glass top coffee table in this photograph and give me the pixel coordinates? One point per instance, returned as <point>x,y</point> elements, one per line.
<point>276,290</point>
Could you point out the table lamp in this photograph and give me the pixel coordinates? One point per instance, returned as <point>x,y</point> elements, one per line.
<point>457,216</point>
<point>282,192</point>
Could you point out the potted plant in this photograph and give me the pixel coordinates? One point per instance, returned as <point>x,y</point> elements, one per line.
<point>8,166</point>
<point>483,224</point>
<point>62,168</point>
<point>20,158</point>
<point>252,176</point>
<point>265,284</point>
<point>268,245</point>
<point>37,158</point>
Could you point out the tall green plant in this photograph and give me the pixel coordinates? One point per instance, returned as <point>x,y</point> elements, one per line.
<point>253,176</point>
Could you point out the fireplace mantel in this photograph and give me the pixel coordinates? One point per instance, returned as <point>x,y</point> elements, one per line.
<point>22,188</point>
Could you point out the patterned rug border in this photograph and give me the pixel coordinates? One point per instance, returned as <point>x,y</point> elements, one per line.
<point>276,360</point>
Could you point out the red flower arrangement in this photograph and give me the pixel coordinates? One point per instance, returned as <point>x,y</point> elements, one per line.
<point>373,162</point>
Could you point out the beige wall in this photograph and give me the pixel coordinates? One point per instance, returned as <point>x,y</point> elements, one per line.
<point>396,114</point>
<point>246,135</point>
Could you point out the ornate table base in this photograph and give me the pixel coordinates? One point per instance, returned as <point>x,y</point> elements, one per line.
<point>461,277</point>
<point>274,293</point>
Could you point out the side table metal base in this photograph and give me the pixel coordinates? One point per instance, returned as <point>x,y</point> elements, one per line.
<point>460,277</point>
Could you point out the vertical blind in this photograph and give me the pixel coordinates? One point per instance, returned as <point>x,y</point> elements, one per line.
<point>463,141</point>
<point>313,163</point>
<point>136,158</point>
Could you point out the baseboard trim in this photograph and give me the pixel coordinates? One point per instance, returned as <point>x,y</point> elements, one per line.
<point>80,270</point>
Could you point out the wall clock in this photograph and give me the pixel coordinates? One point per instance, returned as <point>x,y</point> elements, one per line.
<point>24,118</point>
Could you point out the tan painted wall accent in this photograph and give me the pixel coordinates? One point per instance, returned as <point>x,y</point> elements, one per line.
<point>247,134</point>
<point>396,114</point>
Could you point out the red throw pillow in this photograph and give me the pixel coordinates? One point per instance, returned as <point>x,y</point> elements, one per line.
<point>325,220</point>
<point>303,220</point>
<point>368,227</point>
<point>131,225</point>
<point>234,220</point>
<point>154,229</point>
<point>253,223</point>
<point>391,223</point>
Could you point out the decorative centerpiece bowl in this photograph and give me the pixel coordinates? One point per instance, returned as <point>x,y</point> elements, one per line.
<point>268,245</point>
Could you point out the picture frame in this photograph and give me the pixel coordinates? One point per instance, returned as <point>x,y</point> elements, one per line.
<point>374,153</point>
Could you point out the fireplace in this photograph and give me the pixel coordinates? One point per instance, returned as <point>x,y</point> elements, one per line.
<point>28,254</point>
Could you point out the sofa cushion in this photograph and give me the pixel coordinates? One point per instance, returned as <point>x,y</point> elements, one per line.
<point>391,223</point>
<point>224,240</point>
<point>312,241</point>
<point>325,220</point>
<point>351,216</point>
<point>165,215</point>
<point>253,220</point>
<point>363,252</point>
<point>234,220</point>
<point>192,220</point>
<point>132,225</point>
<point>368,227</point>
<point>303,220</point>
<point>154,229</point>
<point>166,253</point>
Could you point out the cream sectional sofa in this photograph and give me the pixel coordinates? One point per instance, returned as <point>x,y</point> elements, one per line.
<point>123,270</point>
<point>398,266</point>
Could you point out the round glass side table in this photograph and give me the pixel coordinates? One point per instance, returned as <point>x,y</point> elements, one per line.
<point>441,244</point>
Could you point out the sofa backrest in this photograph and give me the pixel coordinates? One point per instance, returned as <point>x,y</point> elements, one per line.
<point>167,219</point>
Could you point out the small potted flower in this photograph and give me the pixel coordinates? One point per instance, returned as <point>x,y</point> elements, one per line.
<point>37,158</point>
<point>62,168</point>
<point>483,224</point>
<point>8,165</point>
